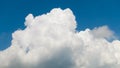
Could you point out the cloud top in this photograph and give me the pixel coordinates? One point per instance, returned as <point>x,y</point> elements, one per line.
<point>51,41</point>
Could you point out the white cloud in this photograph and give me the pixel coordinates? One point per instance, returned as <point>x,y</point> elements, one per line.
<point>51,41</point>
<point>102,32</point>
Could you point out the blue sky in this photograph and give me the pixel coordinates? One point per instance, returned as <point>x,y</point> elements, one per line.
<point>89,14</point>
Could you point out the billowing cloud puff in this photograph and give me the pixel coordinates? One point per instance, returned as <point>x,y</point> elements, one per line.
<point>52,41</point>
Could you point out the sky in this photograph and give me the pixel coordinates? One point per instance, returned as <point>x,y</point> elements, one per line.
<point>59,34</point>
<point>89,14</point>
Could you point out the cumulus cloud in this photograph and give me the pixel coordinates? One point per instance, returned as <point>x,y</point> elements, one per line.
<point>52,41</point>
